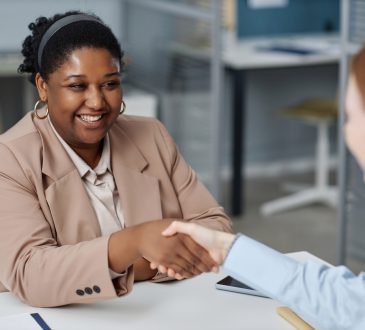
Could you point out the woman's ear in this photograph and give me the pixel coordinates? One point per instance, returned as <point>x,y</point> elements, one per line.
<point>41,87</point>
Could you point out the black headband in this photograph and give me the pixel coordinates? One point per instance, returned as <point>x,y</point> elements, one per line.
<point>59,25</point>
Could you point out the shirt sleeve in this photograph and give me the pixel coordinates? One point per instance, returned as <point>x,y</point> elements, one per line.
<point>327,297</point>
<point>114,275</point>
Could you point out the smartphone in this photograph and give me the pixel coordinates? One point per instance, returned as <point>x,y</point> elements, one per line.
<point>230,284</point>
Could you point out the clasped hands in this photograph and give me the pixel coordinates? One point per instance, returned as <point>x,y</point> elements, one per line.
<point>176,255</point>
<point>189,249</point>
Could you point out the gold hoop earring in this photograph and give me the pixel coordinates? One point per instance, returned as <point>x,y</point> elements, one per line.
<point>36,109</point>
<point>123,108</point>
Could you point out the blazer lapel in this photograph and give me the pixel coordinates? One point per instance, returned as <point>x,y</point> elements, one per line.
<point>71,209</point>
<point>139,192</point>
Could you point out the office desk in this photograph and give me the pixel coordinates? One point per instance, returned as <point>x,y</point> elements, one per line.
<point>242,55</point>
<point>188,304</point>
<point>185,305</point>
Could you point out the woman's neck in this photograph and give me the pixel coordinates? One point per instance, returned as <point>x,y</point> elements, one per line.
<point>91,156</point>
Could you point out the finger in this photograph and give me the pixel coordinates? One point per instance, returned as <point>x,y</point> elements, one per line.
<point>171,272</point>
<point>153,265</point>
<point>188,261</point>
<point>179,258</point>
<point>177,262</point>
<point>162,269</point>
<point>178,277</point>
<point>202,259</point>
<point>178,273</point>
<point>215,269</point>
<point>170,230</point>
<point>184,268</point>
<point>178,227</point>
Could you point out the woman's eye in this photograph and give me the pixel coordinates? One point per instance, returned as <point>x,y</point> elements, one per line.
<point>111,84</point>
<point>77,86</point>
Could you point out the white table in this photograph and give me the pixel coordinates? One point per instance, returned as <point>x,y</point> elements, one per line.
<point>253,53</point>
<point>185,305</point>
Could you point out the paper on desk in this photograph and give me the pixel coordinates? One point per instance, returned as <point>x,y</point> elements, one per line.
<point>22,322</point>
<point>259,4</point>
<point>303,46</point>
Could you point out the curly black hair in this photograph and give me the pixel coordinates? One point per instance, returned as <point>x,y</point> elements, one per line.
<point>63,42</point>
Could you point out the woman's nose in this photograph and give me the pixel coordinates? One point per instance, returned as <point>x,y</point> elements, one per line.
<point>95,99</point>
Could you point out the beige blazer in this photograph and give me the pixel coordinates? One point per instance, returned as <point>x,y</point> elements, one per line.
<point>50,244</point>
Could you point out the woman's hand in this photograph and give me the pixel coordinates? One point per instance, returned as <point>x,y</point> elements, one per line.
<point>216,242</point>
<point>142,270</point>
<point>178,253</point>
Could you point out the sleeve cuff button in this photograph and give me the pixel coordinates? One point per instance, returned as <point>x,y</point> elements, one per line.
<point>88,290</point>
<point>80,292</point>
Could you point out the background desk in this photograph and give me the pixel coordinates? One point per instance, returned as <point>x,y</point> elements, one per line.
<point>189,304</point>
<point>242,55</point>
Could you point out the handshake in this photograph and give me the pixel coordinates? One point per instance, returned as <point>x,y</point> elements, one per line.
<point>206,250</point>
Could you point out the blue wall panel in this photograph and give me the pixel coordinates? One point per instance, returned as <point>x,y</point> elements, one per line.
<point>300,16</point>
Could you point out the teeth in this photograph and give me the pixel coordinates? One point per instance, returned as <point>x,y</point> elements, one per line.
<point>89,118</point>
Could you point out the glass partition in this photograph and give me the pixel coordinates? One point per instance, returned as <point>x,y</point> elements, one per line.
<point>171,51</point>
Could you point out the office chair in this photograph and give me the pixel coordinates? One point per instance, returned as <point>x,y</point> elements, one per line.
<point>320,113</point>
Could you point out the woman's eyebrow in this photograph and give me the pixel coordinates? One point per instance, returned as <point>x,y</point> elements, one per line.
<point>75,76</point>
<point>117,73</point>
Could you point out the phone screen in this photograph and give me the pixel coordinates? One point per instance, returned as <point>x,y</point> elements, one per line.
<point>230,284</point>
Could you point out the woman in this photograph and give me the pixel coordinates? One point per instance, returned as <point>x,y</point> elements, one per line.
<point>85,191</point>
<point>328,298</point>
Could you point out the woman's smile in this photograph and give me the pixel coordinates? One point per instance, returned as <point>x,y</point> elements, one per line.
<point>90,118</point>
<point>92,121</point>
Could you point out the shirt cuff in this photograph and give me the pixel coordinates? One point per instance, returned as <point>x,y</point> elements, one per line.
<point>161,277</point>
<point>231,246</point>
<point>259,266</point>
<point>114,275</point>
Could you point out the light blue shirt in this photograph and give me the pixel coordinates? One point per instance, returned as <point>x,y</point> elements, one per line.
<point>326,297</point>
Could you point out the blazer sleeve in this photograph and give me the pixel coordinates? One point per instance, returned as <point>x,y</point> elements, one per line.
<point>32,265</point>
<point>196,202</point>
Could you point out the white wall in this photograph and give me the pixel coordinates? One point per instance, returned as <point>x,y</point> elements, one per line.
<point>15,16</point>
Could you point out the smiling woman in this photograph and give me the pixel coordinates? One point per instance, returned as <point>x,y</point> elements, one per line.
<point>85,191</point>
<point>84,99</point>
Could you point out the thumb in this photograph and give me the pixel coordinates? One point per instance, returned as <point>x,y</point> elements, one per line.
<point>170,230</point>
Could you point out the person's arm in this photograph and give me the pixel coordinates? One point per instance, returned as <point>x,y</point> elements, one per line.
<point>328,298</point>
<point>179,253</point>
